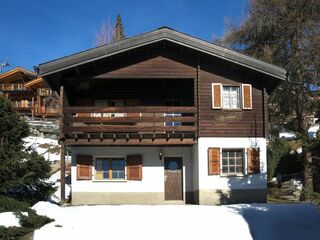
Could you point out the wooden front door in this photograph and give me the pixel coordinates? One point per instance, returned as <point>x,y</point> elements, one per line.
<point>173,178</point>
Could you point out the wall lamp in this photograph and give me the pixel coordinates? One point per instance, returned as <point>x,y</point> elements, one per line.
<point>160,154</point>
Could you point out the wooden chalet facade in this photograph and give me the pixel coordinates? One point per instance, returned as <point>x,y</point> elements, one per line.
<point>29,95</point>
<point>164,117</point>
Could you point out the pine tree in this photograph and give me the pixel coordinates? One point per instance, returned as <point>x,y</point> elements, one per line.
<point>22,173</point>
<point>118,30</point>
<point>286,33</point>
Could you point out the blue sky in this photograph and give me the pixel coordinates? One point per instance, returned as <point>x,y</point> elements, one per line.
<point>37,31</point>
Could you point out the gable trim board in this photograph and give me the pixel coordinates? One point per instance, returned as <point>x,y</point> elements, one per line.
<point>160,34</point>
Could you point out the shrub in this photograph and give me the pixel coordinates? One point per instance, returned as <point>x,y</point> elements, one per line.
<point>28,224</point>
<point>33,220</point>
<point>12,233</point>
<point>8,204</point>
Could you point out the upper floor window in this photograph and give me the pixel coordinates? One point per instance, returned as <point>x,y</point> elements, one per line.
<point>231,97</point>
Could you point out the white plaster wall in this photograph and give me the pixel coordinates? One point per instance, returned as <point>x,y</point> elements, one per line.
<point>255,181</point>
<point>152,172</point>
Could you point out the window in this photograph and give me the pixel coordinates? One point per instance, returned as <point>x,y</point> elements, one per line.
<point>231,97</point>
<point>232,162</point>
<point>110,168</point>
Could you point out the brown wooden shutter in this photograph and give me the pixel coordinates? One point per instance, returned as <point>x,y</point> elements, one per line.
<point>214,161</point>
<point>253,160</point>
<point>216,95</point>
<point>246,96</point>
<point>84,167</point>
<point>134,167</point>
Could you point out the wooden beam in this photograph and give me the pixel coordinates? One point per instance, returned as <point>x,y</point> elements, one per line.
<point>128,119</point>
<point>127,129</point>
<point>62,151</point>
<point>131,142</point>
<point>134,109</point>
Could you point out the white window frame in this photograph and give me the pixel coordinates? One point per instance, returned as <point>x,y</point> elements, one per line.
<point>244,160</point>
<point>239,97</point>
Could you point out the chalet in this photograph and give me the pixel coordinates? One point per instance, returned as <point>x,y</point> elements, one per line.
<point>164,117</point>
<point>29,95</point>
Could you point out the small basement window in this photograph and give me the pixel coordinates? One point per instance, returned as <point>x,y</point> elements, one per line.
<point>231,97</point>
<point>110,168</point>
<point>232,161</point>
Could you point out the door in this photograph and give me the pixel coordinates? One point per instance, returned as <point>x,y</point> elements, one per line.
<point>173,178</point>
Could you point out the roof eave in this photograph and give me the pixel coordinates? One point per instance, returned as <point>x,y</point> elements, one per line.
<point>156,36</point>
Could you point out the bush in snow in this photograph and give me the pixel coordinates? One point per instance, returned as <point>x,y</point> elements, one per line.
<point>22,173</point>
<point>8,204</point>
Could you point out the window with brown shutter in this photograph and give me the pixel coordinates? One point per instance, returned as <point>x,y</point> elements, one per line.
<point>134,167</point>
<point>253,160</point>
<point>246,96</point>
<point>214,161</point>
<point>216,96</point>
<point>84,167</point>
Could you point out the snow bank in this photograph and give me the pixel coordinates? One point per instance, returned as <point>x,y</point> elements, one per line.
<point>9,219</point>
<point>281,221</point>
<point>55,178</point>
<point>143,222</point>
<point>243,221</point>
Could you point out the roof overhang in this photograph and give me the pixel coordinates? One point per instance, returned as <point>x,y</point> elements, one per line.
<point>158,35</point>
<point>16,73</point>
<point>36,83</point>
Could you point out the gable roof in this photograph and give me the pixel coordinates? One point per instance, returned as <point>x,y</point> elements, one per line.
<point>15,74</point>
<point>160,34</point>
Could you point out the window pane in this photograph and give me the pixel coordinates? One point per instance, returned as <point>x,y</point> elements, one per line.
<point>118,166</point>
<point>239,169</point>
<point>121,174</point>
<point>224,162</point>
<point>232,162</point>
<point>98,165</point>
<point>239,154</point>
<point>239,162</point>
<point>225,169</point>
<point>231,97</point>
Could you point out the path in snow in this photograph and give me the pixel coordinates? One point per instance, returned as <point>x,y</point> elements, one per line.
<point>243,221</point>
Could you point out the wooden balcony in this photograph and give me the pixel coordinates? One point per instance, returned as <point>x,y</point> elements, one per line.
<point>141,125</point>
<point>12,87</point>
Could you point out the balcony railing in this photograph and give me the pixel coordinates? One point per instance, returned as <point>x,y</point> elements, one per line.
<point>12,87</point>
<point>128,123</point>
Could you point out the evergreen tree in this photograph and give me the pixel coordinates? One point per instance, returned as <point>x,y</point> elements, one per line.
<point>22,173</point>
<point>286,33</point>
<point>118,30</point>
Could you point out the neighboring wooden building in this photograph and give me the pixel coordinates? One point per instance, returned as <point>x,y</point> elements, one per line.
<point>29,95</point>
<point>164,117</point>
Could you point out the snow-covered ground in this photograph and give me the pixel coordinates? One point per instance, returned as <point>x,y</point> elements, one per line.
<point>55,178</point>
<point>242,221</point>
<point>35,143</point>
<point>9,219</point>
<point>40,145</point>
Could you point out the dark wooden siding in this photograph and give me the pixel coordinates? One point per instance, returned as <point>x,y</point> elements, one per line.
<point>167,63</point>
<point>156,67</point>
<point>229,123</point>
